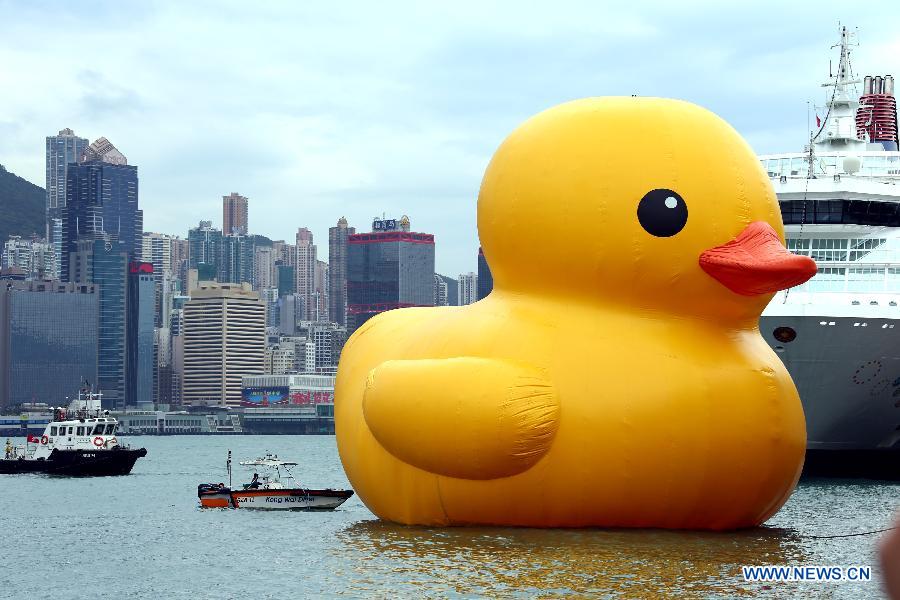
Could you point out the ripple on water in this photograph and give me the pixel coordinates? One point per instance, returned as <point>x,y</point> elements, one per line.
<point>142,536</point>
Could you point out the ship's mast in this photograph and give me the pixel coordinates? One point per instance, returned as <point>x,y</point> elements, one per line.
<point>838,132</point>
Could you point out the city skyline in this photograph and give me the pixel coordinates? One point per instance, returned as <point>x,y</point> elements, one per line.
<point>361,110</point>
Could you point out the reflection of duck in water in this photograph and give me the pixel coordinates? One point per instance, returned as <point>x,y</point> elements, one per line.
<point>554,562</point>
<point>616,375</point>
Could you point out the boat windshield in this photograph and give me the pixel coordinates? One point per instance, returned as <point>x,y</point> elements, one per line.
<point>110,429</point>
<point>98,430</point>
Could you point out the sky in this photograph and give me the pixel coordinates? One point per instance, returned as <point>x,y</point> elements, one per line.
<point>320,110</point>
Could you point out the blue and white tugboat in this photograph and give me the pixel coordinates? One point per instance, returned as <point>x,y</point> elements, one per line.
<point>79,441</point>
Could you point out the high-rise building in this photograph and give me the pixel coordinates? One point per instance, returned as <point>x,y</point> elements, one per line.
<point>389,268</point>
<point>485,279</point>
<point>102,202</point>
<point>164,252</point>
<point>234,214</point>
<point>445,291</point>
<point>140,319</point>
<point>204,248</point>
<point>105,263</point>
<point>468,288</point>
<point>34,257</point>
<point>235,264</point>
<point>305,273</point>
<point>286,280</point>
<point>61,151</point>
<point>264,274</point>
<point>48,340</point>
<point>321,291</point>
<point>224,340</point>
<point>337,271</point>
<point>270,297</point>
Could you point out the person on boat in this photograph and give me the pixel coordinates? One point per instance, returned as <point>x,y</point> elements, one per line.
<point>9,449</point>
<point>254,483</point>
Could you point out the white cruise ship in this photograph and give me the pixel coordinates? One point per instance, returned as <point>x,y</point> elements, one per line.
<point>839,333</point>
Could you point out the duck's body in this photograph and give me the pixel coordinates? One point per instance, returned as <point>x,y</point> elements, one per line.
<point>566,401</point>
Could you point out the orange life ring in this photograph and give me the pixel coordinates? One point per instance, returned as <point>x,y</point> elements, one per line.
<point>44,439</point>
<point>98,441</point>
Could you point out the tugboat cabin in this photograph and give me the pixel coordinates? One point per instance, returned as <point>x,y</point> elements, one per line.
<point>83,428</point>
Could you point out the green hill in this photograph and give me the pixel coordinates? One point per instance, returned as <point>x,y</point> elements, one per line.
<point>21,206</point>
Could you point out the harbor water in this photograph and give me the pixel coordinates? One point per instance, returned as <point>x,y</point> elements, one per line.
<point>143,536</point>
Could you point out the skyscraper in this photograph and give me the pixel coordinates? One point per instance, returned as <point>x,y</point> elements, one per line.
<point>234,214</point>
<point>105,263</point>
<point>321,291</point>
<point>204,247</point>
<point>337,271</point>
<point>61,151</point>
<point>305,273</point>
<point>140,307</point>
<point>48,340</point>
<point>101,202</point>
<point>235,264</point>
<point>386,269</point>
<point>485,279</point>
<point>468,288</point>
<point>264,273</point>
<point>224,339</point>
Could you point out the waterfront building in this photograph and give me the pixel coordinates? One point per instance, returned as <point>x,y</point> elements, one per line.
<point>140,319</point>
<point>48,340</point>
<point>34,257</point>
<point>485,279</point>
<point>234,214</point>
<point>204,248</point>
<point>468,288</point>
<point>288,404</point>
<point>224,340</point>
<point>337,271</point>
<point>102,202</point>
<point>105,263</point>
<point>62,149</point>
<point>389,268</point>
<point>305,273</point>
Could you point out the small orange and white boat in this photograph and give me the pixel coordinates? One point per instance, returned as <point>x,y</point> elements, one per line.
<point>269,492</point>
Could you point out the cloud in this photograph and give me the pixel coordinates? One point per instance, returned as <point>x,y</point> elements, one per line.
<point>316,112</point>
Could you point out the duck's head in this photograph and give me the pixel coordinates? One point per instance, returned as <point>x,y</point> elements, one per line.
<point>649,202</point>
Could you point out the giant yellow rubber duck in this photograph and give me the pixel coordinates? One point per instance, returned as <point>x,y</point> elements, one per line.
<point>615,376</point>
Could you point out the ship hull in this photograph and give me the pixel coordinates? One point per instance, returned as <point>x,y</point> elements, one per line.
<point>77,463</point>
<point>848,378</point>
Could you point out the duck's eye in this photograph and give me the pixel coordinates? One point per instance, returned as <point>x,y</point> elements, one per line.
<point>662,213</point>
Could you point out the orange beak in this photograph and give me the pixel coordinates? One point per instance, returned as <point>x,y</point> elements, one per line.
<point>755,262</point>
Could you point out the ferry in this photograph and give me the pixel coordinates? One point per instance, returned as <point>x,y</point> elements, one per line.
<point>269,492</point>
<point>79,440</point>
<point>839,333</point>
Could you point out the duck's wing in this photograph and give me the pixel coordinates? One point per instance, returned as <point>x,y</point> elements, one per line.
<point>466,417</point>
